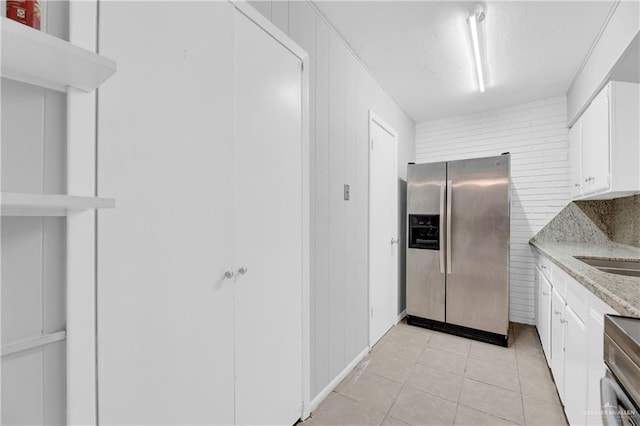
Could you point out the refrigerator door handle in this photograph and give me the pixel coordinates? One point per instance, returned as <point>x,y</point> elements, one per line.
<point>449,199</point>
<point>441,236</point>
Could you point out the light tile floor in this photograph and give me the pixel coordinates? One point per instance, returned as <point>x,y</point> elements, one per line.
<point>415,376</point>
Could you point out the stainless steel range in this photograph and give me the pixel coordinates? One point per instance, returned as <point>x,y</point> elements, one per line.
<point>620,388</point>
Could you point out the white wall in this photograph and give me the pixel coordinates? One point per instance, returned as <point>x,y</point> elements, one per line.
<point>536,135</point>
<point>341,93</point>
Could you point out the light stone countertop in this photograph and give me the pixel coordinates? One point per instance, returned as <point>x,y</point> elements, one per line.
<point>620,292</point>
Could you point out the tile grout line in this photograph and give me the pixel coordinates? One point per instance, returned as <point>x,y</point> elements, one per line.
<point>404,382</point>
<point>524,417</point>
<point>413,362</point>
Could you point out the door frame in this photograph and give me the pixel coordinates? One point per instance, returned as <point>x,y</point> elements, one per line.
<point>375,119</point>
<point>250,12</point>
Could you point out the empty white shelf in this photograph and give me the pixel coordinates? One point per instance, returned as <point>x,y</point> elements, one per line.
<point>34,342</point>
<point>23,204</point>
<point>35,57</point>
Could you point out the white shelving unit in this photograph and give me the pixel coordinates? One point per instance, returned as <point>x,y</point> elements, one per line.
<point>35,57</point>
<point>21,204</point>
<point>40,59</point>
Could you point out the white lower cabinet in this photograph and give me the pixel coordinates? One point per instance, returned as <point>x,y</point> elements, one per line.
<point>596,367</point>
<point>544,314</point>
<point>571,327</point>
<point>575,368</point>
<point>557,340</point>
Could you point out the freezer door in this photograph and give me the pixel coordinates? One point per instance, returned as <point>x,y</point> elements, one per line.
<point>425,267</point>
<point>478,243</point>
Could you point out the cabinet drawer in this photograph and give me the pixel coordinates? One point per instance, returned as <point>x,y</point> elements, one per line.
<point>559,282</point>
<point>577,297</point>
<point>546,266</point>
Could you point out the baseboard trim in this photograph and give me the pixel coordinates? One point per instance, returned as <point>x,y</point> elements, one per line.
<point>401,316</point>
<point>315,402</point>
<point>458,330</point>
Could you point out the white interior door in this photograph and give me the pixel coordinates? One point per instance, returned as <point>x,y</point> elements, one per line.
<point>165,310</point>
<point>383,229</point>
<point>268,228</point>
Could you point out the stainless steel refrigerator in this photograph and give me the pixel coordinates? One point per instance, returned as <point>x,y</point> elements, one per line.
<point>458,247</point>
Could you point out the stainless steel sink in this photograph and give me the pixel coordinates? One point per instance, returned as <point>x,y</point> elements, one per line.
<point>620,267</point>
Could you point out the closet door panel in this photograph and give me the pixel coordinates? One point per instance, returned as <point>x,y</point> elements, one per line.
<point>165,309</point>
<point>268,209</point>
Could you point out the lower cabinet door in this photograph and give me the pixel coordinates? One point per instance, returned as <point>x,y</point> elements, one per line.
<point>575,370</point>
<point>596,367</point>
<point>544,315</point>
<point>557,340</point>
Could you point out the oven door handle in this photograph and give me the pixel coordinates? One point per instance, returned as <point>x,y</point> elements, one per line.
<point>611,397</point>
<point>609,403</point>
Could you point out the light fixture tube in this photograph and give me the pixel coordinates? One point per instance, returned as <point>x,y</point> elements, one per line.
<point>473,23</point>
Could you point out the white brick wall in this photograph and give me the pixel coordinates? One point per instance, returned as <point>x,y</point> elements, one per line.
<point>536,135</point>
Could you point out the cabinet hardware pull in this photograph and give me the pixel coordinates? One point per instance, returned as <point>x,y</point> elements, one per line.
<point>228,275</point>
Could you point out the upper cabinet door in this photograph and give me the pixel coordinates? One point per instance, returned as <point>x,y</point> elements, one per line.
<point>575,159</point>
<point>596,145</point>
<point>268,222</point>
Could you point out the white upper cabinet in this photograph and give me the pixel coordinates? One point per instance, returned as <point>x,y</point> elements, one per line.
<point>605,144</point>
<point>575,159</point>
<point>596,145</point>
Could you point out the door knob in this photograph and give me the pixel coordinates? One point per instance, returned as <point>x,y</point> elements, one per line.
<point>242,270</point>
<point>395,240</point>
<point>228,275</point>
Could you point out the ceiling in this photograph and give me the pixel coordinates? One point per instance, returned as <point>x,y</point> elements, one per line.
<point>421,50</point>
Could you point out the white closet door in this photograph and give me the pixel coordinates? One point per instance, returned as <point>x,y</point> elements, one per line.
<point>165,325</point>
<point>268,224</point>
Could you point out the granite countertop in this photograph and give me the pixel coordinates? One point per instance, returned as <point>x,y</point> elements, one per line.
<point>620,292</point>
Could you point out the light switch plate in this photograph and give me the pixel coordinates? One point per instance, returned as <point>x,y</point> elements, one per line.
<point>346,192</point>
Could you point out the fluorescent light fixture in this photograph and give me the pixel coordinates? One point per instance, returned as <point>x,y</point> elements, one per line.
<point>477,16</point>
